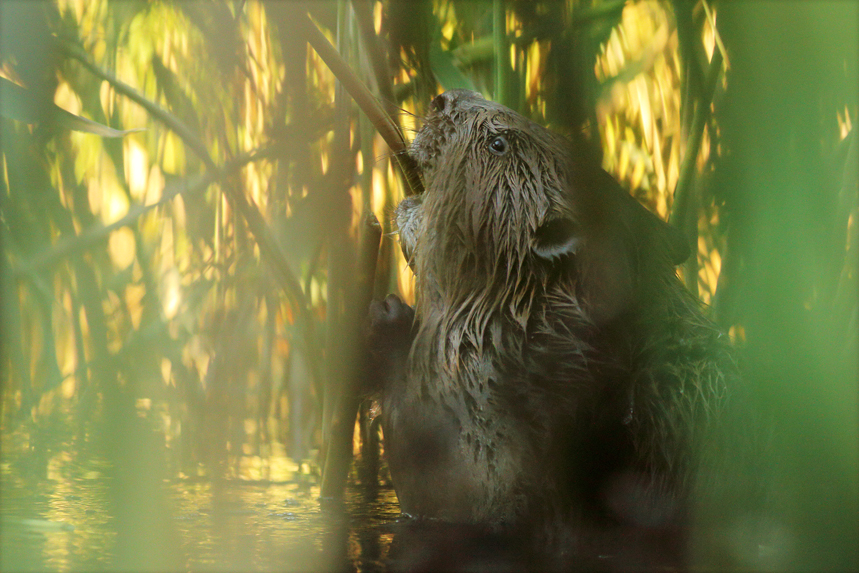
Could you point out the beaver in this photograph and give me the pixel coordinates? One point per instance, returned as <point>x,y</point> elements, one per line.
<point>554,369</point>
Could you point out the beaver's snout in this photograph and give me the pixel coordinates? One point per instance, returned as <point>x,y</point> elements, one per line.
<point>445,116</point>
<point>408,218</point>
<point>444,103</point>
<point>440,103</point>
<point>497,187</point>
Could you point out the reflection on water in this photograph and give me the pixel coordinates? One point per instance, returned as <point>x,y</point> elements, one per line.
<point>58,515</point>
<point>55,517</point>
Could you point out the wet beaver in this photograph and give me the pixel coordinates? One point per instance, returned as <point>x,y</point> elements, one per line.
<point>554,369</point>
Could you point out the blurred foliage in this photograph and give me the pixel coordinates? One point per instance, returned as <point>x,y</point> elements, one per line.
<point>178,292</point>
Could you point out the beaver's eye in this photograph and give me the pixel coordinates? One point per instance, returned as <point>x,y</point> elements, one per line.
<point>499,145</point>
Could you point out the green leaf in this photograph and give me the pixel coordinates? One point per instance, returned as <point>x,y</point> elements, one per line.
<point>445,70</point>
<point>19,103</point>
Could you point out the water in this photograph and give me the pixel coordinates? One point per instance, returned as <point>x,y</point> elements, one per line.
<point>59,512</point>
<point>56,516</point>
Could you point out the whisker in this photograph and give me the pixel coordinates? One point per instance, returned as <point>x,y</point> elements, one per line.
<point>403,111</point>
<point>396,153</point>
<point>389,155</point>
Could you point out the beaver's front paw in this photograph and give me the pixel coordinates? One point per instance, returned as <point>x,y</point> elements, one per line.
<point>389,340</point>
<point>389,324</point>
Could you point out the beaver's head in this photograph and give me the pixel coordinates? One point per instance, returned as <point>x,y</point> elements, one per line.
<point>510,208</point>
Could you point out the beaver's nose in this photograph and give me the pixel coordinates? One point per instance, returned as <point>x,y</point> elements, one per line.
<point>455,99</point>
<point>441,103</point>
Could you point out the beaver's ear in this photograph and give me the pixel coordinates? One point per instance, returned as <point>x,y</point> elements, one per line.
<point>556,238</point>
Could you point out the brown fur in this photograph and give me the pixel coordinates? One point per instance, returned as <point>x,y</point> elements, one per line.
<point>558,371</point>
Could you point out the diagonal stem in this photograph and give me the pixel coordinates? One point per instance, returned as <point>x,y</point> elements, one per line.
<point>365,100</point>
<point>269,247</point>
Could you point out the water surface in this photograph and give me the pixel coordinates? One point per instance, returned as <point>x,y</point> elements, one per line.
<point>57,515</point>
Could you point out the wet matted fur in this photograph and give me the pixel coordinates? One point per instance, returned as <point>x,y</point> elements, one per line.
<point>557,371</point>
